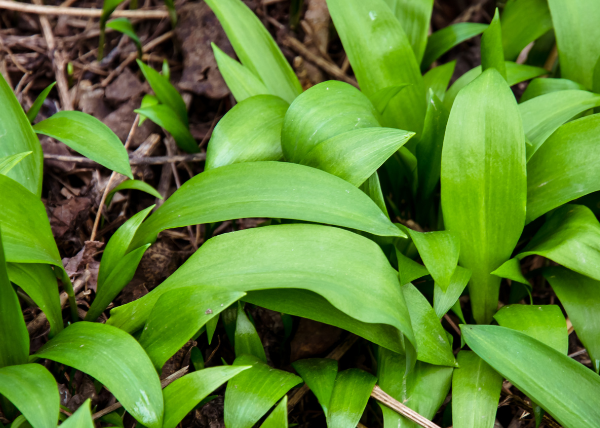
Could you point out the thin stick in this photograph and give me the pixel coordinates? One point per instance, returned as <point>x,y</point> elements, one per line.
<point>397,406</point>
<point>112,177</point>
<point>154,160</point>
<point>80,11</point>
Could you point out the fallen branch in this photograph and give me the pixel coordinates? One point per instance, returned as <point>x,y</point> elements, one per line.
<point>381,396</point>
<point>81,12</point>
<point>154,160</point>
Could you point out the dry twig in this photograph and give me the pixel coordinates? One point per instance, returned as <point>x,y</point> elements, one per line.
<point>40,9</point>
<point>397,406</point>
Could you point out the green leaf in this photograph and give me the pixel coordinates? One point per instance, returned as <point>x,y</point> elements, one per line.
<point>123,25</point>
<point>247,340</point>
<point>185,393</point>
<point>559,384</point>
<point>382,98</point>
<point>371,34</point>
<point>82,418</point>
<point>39,101</point>
<point>444,300</point>
<point>39,282</point>
<point>250,131</point>
<point>8,162</point>
<point>423,389</point>
<point>351,392</point>
<point>372,188</point>
<point>542,86</point>
<point>109,6</point>
<point>14,339</point>
<point>251,394</point>
<point>319,375</point>
<point>545,114</point>
<point>432,343</point>
<point>87,135</point>
<point>564,167</point>
<point>240,80</point>
<point>165,117</point>
<point>475,391</point>
<point>166,93</point>
<point>580,296</point>
<point>18,137</point>
<point>408,269</point>
<point>32,389</point>
<point>511,269</point>
<point>484,183</point>
<point>278,417</point>
<point>492,54</point>
<point>348,270</point>
<point>437,80</point>
<point>523,21</point>
<point>267,189</point>
<point>147,101</point>
<point>545,323</point>
<point>133,185</point>
<point>256,49</point>
<point>515,73</point>
<point>115,359</point>
<point>445,39</point>
<point>576,28</point>
<point>414,17</point>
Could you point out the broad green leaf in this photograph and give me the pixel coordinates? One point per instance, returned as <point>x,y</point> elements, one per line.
<point>39,101</point>
<point>256,49</point>
<point>415,17</point>
<point>8,162</point>
<point>278,417</point>
<point>240,80</point>
<point>492,54</point>
<point>475,392</point>
<point>251,394</point>
<point>432,343</point>
<point>39,282</point>
<point>123,25</point>
<point>372,188</point>
<point>445,39</point>
<point>267,189</point>
<point>437,80</point>
<point>133,185</point>
<point>348,270</point>
<point>559,384</point>
<point>576,28</point>
<point>511,269</point>
<point>14,339</point>
<point>423,389</point>
<point>542,86</point>
<point>444,300</point>
<point>147,101</point>
<point>165,92</point>
<point>408,269</point>
<point>82,418</point>
<point>515,73</point>
<point>250,131</point>
<point>523,21</point>
<point>32,389</point>
<point>484,183</point>
<point>565,167</point>
<point>87,135</point>
<point>115,359</point>
<point>185,393</point>
<point>382,98</point>
<point>319,374</point>
<point>580,296</point>
<point>247,340</point>
<point>545,114</point>
<point>165,117</point>
<point>18,137</point>
<point>351,392</point>
<point>545,323</point>
<point>371,34</point>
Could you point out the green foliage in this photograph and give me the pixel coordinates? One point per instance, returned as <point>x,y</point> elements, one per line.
<point>123,25</point>
<point>37,104</point>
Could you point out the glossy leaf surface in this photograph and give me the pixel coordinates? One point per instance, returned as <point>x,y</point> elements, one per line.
<point>492,54</point>
<point>8,162</point>
<point>443,300</point>
<point>415,17</point>
<point>247,340</point>
<point>278,417</point>
<point>437,80</point>
<point>351,391</point>
<point>542,86</point>
<point>39,101</point>
<point>523,21</point>
<point>165,117</point>
<point>445,39</point>
<point>133,185</point>
<point>319,374</point>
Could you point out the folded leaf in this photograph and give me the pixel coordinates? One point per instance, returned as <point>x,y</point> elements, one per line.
<point>267,189</point>
<point>445,39</point>
<point>32,389</point>
<point>580,296</point>
<point>133,185</point>
<point>475,392</point>
<point>437,80</point>
<point>256,49</point>
<point>18,137</point>
<point>444,300</point>
<point>351,392</point>
<point>165,117</point>
<point>250,131</point>
<point>278,417</point>
<point>185,393</point>
<point>319,374</point>
<point>324,260</point>
<point>523,21</point>
<point>251,394</point>
<point>116,360</point>
<point>247,340</point>
<point>82,418</point>
<point>484,183</point>
<point>542,86</point>
<point>492,54</point>
<point>39,101</point>
<point>371,34</point>
<point>87,135</point>
<point>8,162</point>
<point>415,17</point>
<point>559,384</point>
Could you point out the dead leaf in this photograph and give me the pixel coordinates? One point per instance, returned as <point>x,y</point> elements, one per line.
<point>124,87</point>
